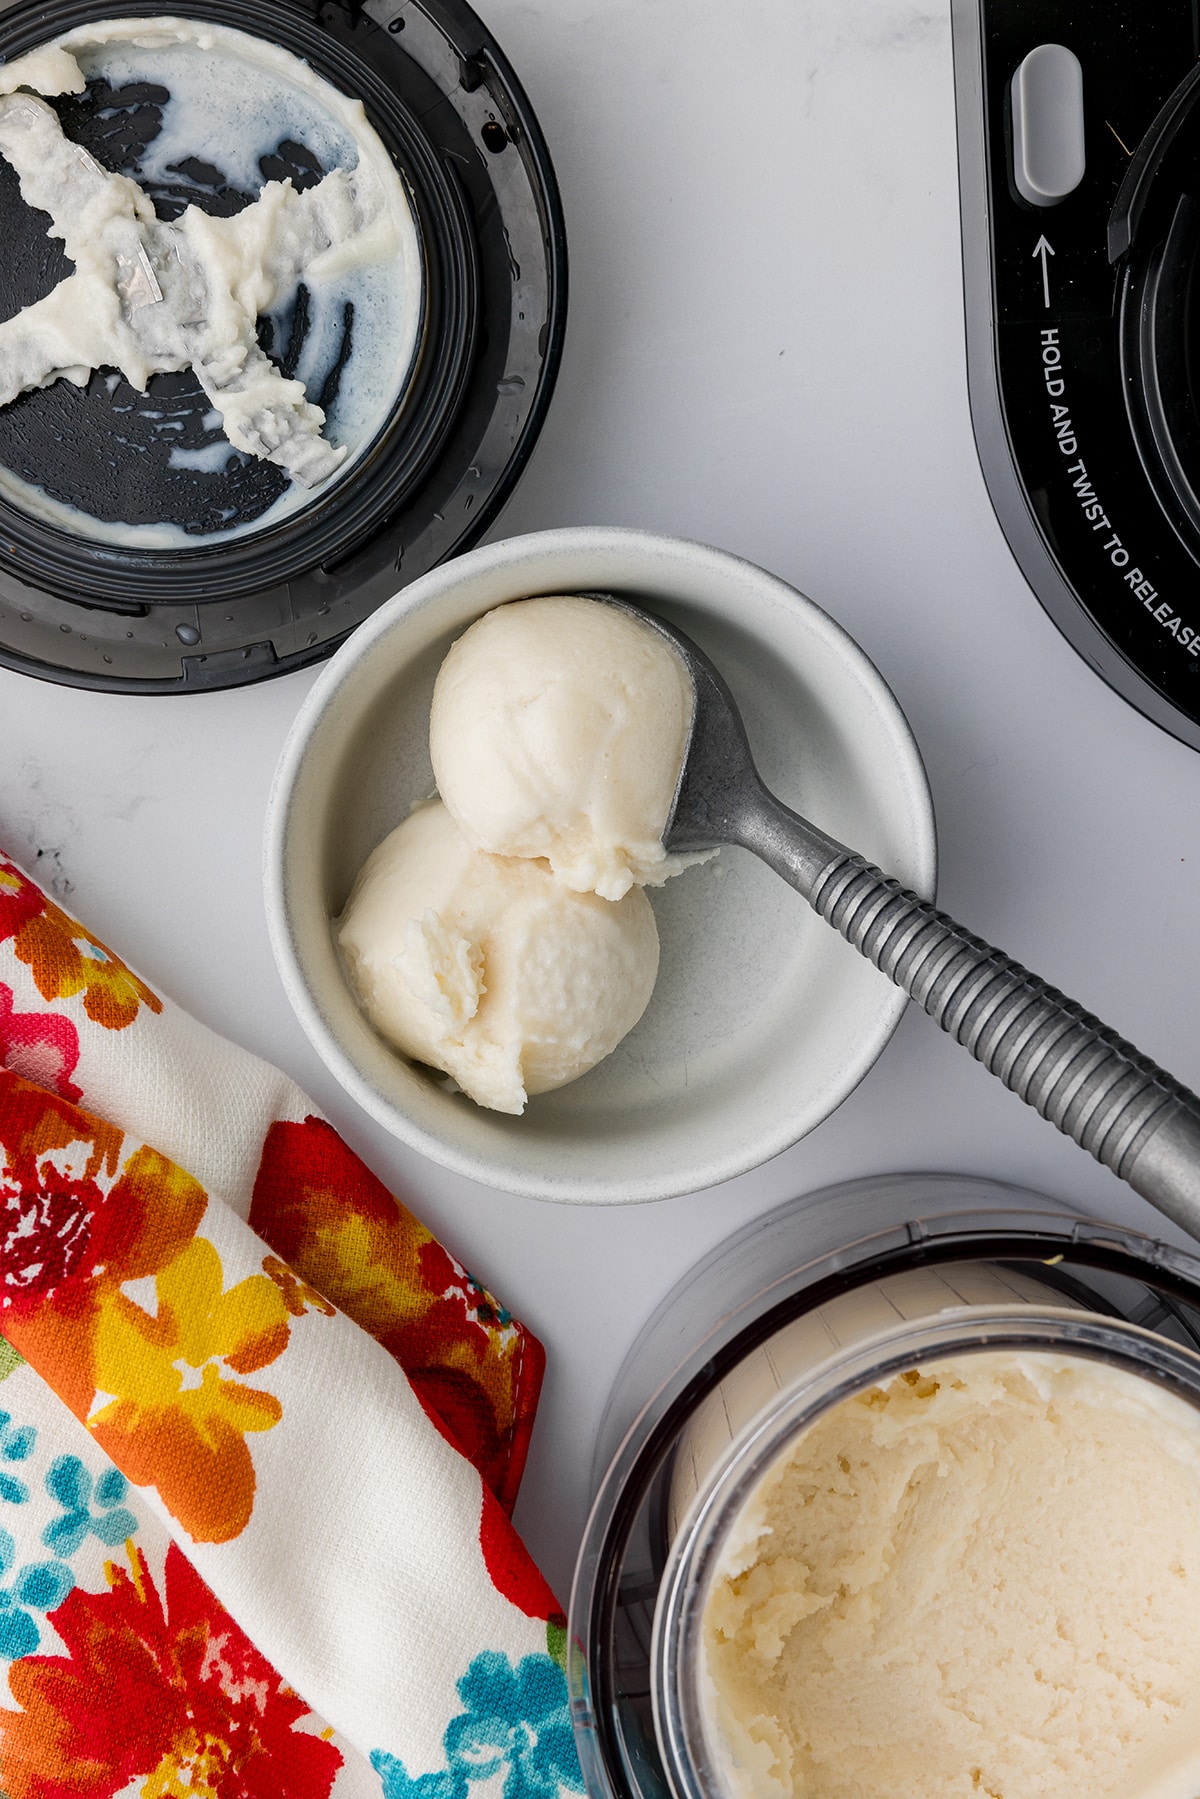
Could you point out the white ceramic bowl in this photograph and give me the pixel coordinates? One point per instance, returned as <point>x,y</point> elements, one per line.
<point>763,1019</point>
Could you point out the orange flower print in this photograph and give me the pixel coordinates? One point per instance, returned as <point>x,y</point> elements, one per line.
<point>297,1294</point>
<point>169,1414</point>
<point>158,1693</point>
<point>66,959</point>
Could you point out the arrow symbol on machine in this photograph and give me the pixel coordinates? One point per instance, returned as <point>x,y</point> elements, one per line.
<point>1043,249</point>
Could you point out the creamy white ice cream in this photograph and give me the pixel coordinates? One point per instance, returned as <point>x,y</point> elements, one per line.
<point>558,730</point>
<point>488,967</point>
<point>981,1579</point>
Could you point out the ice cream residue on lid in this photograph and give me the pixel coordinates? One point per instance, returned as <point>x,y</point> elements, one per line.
<point>151,296</point>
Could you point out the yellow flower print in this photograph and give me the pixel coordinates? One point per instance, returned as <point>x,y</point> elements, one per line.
<point>171,1416</point>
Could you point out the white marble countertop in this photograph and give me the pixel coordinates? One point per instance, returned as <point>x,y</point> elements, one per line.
<point>765,351</point>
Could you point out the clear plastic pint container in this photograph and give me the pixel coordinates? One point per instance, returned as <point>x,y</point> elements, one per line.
<point>823,1298</point>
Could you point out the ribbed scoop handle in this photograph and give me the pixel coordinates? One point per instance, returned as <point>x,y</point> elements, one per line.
<point>1092,1084</point>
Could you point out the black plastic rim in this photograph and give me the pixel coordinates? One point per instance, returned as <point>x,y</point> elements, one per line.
<point>442,97</point>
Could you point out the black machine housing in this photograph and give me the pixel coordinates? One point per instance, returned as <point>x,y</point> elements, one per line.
<point>1083,335</point>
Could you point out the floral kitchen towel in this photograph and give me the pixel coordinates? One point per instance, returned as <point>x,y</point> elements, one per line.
<point>256,1463</point>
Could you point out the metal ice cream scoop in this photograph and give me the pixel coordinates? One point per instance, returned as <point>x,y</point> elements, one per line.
<point>1094,1086</point>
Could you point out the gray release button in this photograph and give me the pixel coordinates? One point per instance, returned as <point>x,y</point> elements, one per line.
<point>1047,122</point>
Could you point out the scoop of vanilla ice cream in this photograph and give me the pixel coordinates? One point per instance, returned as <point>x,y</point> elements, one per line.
<point>980,1578</point>
<point>489,968</point>
<point>558,730</point>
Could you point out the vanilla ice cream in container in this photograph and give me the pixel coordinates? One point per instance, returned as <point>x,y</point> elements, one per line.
<point>904,1503</point>
<point>981,1568</point>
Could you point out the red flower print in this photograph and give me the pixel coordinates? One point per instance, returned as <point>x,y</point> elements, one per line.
<point>49,1192</point>
<point>75,1222</point>
<point>162,1690</point>
<point>510,1566</point>
<point>41,1046</point>
<point>55,1158</point>
<point>340,1229</point>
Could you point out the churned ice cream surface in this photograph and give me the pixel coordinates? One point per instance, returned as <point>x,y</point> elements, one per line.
<point>558,730</point>
<point>489,968</point>
<point>979,1581</point>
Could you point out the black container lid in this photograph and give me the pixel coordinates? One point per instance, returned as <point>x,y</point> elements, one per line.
<point>91,613</point>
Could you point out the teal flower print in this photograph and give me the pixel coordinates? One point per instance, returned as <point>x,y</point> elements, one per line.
<point>16,1445</point>
<point>486,1309</point>
<point>37,1587</point>
<point>69,1482</point>
<point>516,1719</point>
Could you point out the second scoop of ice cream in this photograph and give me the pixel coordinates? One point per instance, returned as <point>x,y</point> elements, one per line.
<point>558,730</point>
<point>488,967</point>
